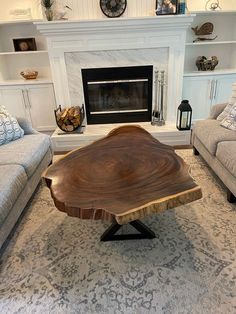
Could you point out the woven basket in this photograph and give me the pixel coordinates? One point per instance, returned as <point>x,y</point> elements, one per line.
<point>29,76</point>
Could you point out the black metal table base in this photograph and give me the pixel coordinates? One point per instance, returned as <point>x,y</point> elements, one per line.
<point>144,232</point>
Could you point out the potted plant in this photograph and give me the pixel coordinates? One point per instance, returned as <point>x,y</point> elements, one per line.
<point>47,4</point>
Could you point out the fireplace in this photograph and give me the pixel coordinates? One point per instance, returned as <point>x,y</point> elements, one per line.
<point>118,94</point>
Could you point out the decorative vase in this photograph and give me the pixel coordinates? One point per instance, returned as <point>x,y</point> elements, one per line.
<point>49,14</point>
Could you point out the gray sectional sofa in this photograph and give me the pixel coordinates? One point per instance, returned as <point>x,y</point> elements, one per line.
<point>217,145</point>
<point>21,165</point>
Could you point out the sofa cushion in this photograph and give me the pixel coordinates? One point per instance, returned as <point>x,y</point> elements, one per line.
<point>210,133</point>
<point>27,152</point>
<point>12,181</point>
<point>226,154</point>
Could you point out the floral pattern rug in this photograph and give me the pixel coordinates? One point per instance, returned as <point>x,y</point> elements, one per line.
<point>56,264</point>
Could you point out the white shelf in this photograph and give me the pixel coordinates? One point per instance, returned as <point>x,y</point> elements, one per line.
<point>214,12</point>
<point>215,72</point>
<point>8,22</point>
<point>26,82</point>
<point>23,52</point>
<point>211,43</point>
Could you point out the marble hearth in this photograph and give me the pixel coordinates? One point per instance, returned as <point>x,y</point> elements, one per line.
<point>76,45</point>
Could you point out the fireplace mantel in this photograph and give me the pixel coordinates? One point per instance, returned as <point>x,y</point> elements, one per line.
<point>160,23</point>
<point>116,34</point>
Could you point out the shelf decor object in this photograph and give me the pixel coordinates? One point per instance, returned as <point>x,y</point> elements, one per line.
<point>69,119</point>
<point>113,8</point>
<point>21,14</point>
<point>181,6</point>
<point>60,12</point>
<point>204,30</point>
<point>24,44</point>
<point>166,7</point>
<point>48,10</point>
<point>212,5</point>
<point>184,116</point>
<point>204,64</point>
<point>29,74</point>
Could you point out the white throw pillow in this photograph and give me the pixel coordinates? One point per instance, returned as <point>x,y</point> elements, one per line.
<point>9,127</point>
<point>229,121</point>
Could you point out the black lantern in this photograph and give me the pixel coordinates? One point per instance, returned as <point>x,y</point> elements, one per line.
<point>184,116</point>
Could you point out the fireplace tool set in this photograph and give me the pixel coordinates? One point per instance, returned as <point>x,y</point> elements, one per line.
<point>158,112</point>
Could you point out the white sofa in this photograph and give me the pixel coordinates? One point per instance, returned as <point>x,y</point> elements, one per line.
<point>21,165</point>
<point>217,145</point>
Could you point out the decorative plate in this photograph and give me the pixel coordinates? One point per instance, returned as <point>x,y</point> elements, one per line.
<point>113,8</point>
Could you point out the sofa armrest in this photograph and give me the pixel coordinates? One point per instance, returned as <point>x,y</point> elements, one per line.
<point>216,110</point>
<point>26,125</point>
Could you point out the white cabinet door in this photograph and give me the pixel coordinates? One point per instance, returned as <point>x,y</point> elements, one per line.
<point>198,90</point>
<point>14,99</point>
<point>223,88</point>
<point>42,104</point>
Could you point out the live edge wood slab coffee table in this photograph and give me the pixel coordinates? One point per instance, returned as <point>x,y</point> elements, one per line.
<point>121,178</point>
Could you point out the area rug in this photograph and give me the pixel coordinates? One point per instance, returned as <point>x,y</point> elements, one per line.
<point>56,264</point>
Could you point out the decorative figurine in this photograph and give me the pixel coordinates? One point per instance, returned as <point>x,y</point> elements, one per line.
<point>206,29</point>
<point>204,64</point>
<point>61,11</point>
<point>212,5</point>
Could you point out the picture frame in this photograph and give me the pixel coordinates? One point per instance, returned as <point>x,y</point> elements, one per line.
<point>166,7</point>
<point>24,44</point>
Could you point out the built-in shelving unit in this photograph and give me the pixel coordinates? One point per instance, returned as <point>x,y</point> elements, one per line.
<point>17,21</point>
<point>224,46</point>
<point>205,88</point>
<point>13,62</point>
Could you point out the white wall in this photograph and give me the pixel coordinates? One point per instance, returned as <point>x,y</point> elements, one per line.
<point>90,9</point>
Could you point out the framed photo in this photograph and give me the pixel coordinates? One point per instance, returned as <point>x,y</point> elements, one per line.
<point>166,7</point>
<point>24,44</point>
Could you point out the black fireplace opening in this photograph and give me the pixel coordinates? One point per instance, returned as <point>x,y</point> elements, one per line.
<point>118,94</point>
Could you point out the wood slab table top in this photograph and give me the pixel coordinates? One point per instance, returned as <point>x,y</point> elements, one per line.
<point>122,177</point>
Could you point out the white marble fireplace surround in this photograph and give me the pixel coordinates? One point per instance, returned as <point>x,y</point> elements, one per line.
<point>157,41</point>
<point>75,61</point>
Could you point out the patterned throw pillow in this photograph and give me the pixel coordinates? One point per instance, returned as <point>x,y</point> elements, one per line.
<point>229,121</point>
<point>228,108</point>
<point>9,127</point>
<point>224,113</point>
